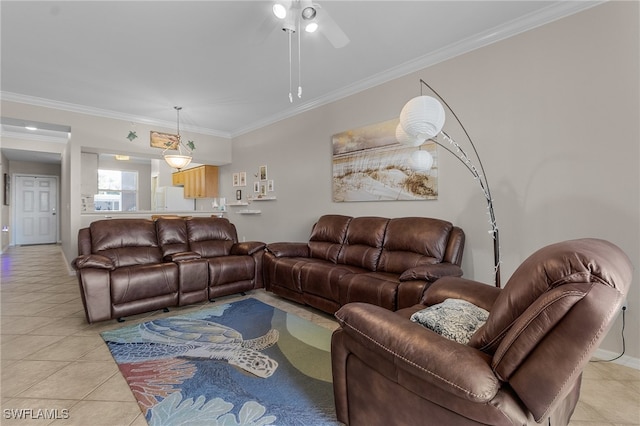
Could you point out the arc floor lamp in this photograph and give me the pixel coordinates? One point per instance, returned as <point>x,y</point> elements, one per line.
<point>422,119</point>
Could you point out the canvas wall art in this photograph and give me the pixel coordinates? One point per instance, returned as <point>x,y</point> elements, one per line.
<point>370,165</point>
<point>164,140</point>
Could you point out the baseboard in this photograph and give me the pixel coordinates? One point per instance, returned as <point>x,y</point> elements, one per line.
<point>625,360</point>
<point>66,262</point>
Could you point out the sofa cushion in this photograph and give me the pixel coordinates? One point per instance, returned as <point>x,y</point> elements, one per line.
<point>114,234</point>
<point>284,272</point>
<point>137,283</point>
<point>455,319</point>
<point>413,241</point>
<point>126,242</point>
<point>320,278</point>
<point>229,269</point>
<point>377,288</point>
<point>363,242</point>
<point>327,237</point>
<point>211,236</point>
<point>172,235</point>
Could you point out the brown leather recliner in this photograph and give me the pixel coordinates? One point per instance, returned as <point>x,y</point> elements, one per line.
<point>522,367</point>
<point>386,262</point>
<point>130,266</point>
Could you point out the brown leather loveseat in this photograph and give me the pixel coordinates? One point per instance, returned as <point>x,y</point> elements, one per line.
<point>130,266</point>
<point>522,367</point>
<point>386,262</point>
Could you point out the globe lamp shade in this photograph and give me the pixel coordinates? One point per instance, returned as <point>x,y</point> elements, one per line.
<point>177,161</point>
<point>422,117</point>
<point>421,161</point>
<point>403,138</point>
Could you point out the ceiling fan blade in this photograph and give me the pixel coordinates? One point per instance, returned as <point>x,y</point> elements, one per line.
<point>331,30</point>
<point>268,26</point>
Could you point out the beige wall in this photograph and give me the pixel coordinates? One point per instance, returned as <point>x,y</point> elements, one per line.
<point>554,113</point>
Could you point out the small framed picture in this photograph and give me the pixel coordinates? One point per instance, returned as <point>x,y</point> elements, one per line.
<point>263,189</point>
<point>238,194</point>
<point>243,179</point>
<point>263,172</point>
<point>236,179</point>
<point>256,187</point>
<point>270,186</point>
<point>164,140</point>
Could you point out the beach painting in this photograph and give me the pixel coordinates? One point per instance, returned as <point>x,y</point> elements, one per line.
<point>370,165</point>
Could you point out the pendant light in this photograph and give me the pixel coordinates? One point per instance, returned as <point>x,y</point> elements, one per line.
<point>179,160</point>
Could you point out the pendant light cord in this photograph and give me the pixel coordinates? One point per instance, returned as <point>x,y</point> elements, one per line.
<point>290,69</point>
<point>299,62</point>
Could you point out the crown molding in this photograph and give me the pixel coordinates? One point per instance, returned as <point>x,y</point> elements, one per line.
<point>33,137</point>
<point>536,19</point>
<point>509,29</point>
<point>97,112</point>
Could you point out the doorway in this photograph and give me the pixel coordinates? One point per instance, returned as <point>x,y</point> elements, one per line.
<point>36,209</point>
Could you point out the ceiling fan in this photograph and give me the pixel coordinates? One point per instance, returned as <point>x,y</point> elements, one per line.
<point>296,15</point>
<point>310,16</point>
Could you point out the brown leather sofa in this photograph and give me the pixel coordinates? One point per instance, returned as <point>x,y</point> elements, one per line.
<point>130,266</point>
<point>386,262</point>
<point>522,367</point>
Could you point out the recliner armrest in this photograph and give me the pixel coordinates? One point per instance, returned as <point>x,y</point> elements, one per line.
<point>184,255</point>
<point>288,249</point>
<point>480,294</point>
<point>247,248</point>
<point>455,368</point>
<point>431,272</point>
<point>93,261</point>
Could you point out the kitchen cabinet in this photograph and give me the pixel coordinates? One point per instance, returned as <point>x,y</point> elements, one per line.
<point>177,179</point>
<point>198,182</point>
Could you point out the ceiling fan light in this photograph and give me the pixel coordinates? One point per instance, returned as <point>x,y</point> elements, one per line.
<point>279,11</point>
<point>309,12</point>
<point>311,27</point>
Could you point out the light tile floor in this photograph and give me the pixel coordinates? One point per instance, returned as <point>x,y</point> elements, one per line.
<point>52,359</point>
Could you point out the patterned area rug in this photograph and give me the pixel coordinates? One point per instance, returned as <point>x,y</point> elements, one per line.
<point>241,363</point>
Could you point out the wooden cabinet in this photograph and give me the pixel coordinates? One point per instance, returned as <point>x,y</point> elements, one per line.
<point>177,179</point>
<point>199,182</point>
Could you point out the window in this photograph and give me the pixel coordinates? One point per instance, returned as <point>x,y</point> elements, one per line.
<point>117,190</point>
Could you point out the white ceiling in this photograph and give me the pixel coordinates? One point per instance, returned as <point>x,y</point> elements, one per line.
<point>226,62</point>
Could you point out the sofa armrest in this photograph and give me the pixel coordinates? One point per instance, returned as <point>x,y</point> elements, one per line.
<point>431,272</point>
<point>288,249</point>
<point>421,352</point>
<point>247,248</point>
<point>93,261</point>
<point>480,294</point>
<point>181,256</point>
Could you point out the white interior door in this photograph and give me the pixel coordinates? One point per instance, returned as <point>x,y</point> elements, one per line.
<point>36,199</point>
